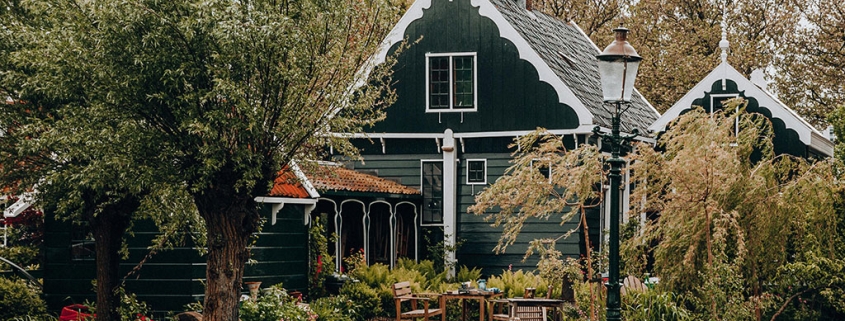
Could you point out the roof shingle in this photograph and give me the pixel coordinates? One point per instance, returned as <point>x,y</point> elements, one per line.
<point>337,179</point>
<point>558,43</point>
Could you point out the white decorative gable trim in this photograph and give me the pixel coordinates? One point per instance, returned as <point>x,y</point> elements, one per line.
<point>806,132</point>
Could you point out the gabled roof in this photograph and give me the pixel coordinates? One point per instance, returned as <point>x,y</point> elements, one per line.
<point>806,132</point>
<point>325,178</point>
<point>571,55</point>
<point>562,54</point>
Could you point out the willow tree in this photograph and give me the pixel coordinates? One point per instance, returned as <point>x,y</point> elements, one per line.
<point>225,92</point>
<point>733,218</point>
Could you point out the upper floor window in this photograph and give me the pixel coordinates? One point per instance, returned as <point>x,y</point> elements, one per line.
<point>476,171</point>
<point>451,85</point>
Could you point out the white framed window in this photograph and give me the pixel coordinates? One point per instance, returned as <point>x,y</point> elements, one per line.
<point>545,168</point>
<point>451,84</point>
<point>476,171</point>
<point>431,185</point>
<point>718,101</point>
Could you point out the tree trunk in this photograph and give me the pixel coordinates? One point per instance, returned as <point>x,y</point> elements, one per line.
<point>108,228</point>
<point>229,226</point>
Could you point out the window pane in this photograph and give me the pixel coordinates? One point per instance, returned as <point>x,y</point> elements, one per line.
<point>463,101</point>
<point>439,82</point>
<point>432,190</point>
<point>476,172</point>
<point>463,82</point>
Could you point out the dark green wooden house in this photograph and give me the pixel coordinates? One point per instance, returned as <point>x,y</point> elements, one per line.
<point>481,73</point>
<point>172,278</point>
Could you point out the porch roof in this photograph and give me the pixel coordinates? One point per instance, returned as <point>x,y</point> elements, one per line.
<point>333,179</point>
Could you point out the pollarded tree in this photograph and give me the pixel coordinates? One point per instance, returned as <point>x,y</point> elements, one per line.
<point>227,91</point>
<point>61,137</point>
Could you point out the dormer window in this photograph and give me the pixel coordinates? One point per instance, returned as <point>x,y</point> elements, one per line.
<point>451,85</point>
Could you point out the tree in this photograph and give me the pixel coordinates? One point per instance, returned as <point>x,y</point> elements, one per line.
<point>525,192</point>
<point>594,17</point>
<point>813,59</point>
<point>679,43</point>
<point>734,218</point>
<point>61,138</point>
<point>735,230</point>
<point>227,92</point>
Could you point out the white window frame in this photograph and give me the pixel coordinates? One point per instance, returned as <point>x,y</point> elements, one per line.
<point>451,108</point>
<point>422,181</point>
<point>720,97</point>
<point>540,160</point>
<point>484,161</point>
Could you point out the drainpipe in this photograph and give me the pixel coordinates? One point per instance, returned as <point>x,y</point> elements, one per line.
<point>450,218</point>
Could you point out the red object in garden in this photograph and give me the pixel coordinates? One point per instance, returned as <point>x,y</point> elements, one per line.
<point>75,312</point>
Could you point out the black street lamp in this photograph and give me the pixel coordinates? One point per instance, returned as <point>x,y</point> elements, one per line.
<point>618,65</point>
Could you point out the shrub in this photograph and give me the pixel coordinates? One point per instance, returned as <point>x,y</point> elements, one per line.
<point>465,274</point>
<point>374,275</point>
<point>320,262</point>
<point>273,304</point>
<point>338,308</point>
<point>513,284</point>
<point>366,299</point>
<point>653,305</point>
<point>19,300</point>
<point>25,256</point>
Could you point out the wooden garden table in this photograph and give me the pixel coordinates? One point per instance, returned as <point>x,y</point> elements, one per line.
<point>481,296</point>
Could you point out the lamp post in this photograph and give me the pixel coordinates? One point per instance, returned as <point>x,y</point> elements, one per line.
<point>618,65</point>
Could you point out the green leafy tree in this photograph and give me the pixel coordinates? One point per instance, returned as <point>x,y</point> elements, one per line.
<point>222,93</point>
<point>63,138</point>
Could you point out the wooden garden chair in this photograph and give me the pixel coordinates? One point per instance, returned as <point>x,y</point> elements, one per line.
<point>632,284</point>
<point>524,313</point>
<point>402,293</point>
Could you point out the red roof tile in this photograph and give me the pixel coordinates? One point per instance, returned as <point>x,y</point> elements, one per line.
<point>288,185</point>
<point>335,178</point>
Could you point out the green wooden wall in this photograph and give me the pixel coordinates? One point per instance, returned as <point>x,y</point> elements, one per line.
<point>478,237</point>
<point>173,278</point>
<point>510,94</point>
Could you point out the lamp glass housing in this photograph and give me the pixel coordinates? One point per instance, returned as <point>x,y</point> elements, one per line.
<point>617,78</point>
